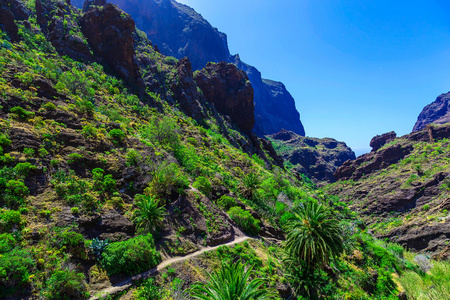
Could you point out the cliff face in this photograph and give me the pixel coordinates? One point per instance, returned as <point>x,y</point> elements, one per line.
<point>401,188</point>
<point>177,30</point>
<point>316,158</point>
<point>437,112</point>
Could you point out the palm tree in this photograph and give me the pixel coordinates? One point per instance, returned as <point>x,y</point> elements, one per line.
<point>149,215</point>
<point>313,235</point>
<point>249,185</point>
<point>231,282</point>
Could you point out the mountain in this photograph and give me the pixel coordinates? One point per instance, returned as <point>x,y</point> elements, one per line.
<point>401,188</point>
<point>437,112</point>
<point>317,158</point>
<point>124,174</point>
<point>178,30</point>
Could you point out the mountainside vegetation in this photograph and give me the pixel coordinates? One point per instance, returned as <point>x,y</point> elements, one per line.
<point>119,179</point>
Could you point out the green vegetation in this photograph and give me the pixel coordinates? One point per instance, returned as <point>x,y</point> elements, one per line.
<point>231,282</point>
<point>132,256</point>
<point>149,215</point>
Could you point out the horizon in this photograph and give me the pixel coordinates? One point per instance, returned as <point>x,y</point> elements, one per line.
<point>355,70</point>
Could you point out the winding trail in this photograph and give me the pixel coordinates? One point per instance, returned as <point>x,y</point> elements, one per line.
<point>125,284</point>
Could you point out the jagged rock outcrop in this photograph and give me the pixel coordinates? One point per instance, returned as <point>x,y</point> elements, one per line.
<point>109,32</point>
<point>58,24</point>
<point>437,112</point>
<point>178,30</point>
<point>7,20</point>
<point>185,90</point>
<point>380,140</point>
<point>274,105</point>
<point>90,4</point>
<point>229,89</point>
<point>401,189</point>
<point>316,158</point>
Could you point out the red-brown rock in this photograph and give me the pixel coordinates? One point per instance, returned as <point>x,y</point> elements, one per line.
<point>229,89</point>
<point>380,140</point>
<point>109,32</point>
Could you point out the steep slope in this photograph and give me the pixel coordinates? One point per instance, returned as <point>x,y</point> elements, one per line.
<point>402,188</point>
<point>179,31</point>
<point>437,112</point>
<point>316,158</point>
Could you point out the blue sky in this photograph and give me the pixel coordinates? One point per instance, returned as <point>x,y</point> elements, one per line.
<point>355,68</point>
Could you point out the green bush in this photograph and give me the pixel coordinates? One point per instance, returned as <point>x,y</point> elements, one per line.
<point>163,131</point>
<point>49,106</point>
<point>133,157</point>
<point>70,241</point>
<point>132,256</point>
<point>245,220</point>
<point>168,180</point>
<point>7,242</point>
<point>10,219</point>
<point>15,193</point>
<point>29,152</point>
<point>117,135</point>
<point>21,113</point>
<point>66,284</point>
<point>16,266</point>
<point>226,202</point>
<point>85,107</point>
<point>203,185</point>
<point>24,169</point>
<point>74,157</point>
<point>4,141</point>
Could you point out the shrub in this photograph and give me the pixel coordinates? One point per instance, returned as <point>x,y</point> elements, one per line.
<point>10,219</point>
<point>7,242</point>
<point>16,266</point>
<point>164,131</point>
<point>21,113</point>
<point>226,202</point>
<point>426,207</point>
<point>203,185</point>
<point>74,157</point>
<point>117,135</point>
<point>168,180</point>
<point>85,107</point>
<point>29,152</point>
<point>43,152</point>
<point>66,284</point>
<point>24,169</point>
<point>148,291</point>
<point>132,256</point>
<point>98,247</point>
<point>4,141</point>
<point>249,185</point>
<point>245,220</point>
<point>16,191</point>
<point>70,241</point>
<point>149,215</point>
<point>133,157</point>
<point>49,106</point>
<point>89,131</point>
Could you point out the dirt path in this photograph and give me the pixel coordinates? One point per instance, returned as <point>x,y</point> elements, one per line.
<point>121,286</point>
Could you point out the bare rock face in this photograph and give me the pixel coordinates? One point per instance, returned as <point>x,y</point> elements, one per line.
<point>58,24</point>
<point>437,112</point>
<point>316,158</point>
<point>380,140</point>
<point>7,20</point>
<point>229,89</point>
<point>185,90</point>
<point>109,32</point>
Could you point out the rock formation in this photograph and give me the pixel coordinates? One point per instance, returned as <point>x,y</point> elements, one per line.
<point>177,30</point>
<point>380,140</point>
<point>229,89</point>
<point>316,158</point>
<point>437,112</point>
<point>109,32</point>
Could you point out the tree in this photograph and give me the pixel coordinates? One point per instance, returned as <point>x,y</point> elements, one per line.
<point>231,282</point>
<point>313,235</point>
<point>149,215</point>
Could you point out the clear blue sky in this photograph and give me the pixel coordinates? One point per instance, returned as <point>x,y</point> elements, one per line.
<point>355,68</point>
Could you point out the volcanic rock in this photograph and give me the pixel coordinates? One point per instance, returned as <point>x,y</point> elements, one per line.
<point>229,89</point>
<point>437,112</point>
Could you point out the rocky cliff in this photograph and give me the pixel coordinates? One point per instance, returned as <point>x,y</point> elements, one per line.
<point>316,158</point>
<point>401,188</point>
<point>437,112</point>
<point>179,31</point>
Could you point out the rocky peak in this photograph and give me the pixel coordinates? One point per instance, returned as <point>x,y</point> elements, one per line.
<point>380,140</point>
<point>7,20</point>
<point>109,32</point>
<point>90,4</point>
<point>437,112</point>
<point>229,89</point>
